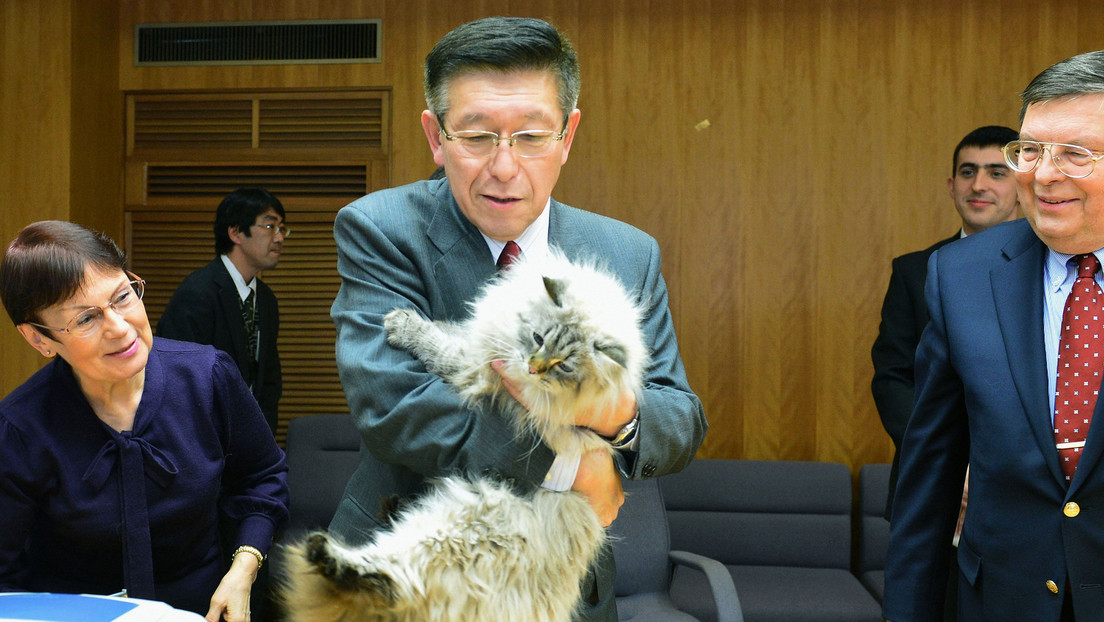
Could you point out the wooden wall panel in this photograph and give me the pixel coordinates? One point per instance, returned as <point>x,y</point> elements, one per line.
<point>96,142</point>
<point>830,130</point>
<point>35,74</point>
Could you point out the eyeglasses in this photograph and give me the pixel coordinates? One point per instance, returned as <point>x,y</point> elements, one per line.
<point>1073,161</point>
<point>526,143</point>
<point>281,229</point>
<point>90,321</point>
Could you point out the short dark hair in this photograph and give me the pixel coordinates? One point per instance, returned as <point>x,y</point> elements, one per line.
<point>985,136</point>
<point>1077,75</point>
<point>240,210</point>
<point>45,265</point>
<point>502,44</point>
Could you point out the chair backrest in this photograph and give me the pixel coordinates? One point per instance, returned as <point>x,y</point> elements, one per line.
<point>762,513</point>
<point>641,542</point>
<point>873,526</point>
<point>322,453</point>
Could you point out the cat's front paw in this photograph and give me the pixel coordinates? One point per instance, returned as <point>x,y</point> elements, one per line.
<point>403,327</point>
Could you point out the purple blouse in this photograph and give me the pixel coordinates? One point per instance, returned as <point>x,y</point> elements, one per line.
<point>211,467</point>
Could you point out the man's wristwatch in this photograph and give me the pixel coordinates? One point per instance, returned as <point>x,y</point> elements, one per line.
<point>625,435</point>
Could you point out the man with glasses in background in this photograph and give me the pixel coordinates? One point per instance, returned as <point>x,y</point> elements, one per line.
<point>501,118</point>
<point>1008,374</point>
<point>224,304</point>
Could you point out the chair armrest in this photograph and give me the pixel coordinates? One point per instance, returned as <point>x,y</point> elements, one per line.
<point>720,583</point>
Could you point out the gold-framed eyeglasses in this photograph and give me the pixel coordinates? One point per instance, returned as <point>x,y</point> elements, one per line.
<point>480,144</point>
<point>90,321</point>
<point>281,229</point>
<point>1073,161</point>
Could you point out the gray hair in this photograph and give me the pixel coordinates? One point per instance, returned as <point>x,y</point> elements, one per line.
<point>1079,75</point>
<point>502,44</point>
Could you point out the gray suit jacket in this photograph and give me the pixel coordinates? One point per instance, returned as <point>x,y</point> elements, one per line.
<point>412,247</point>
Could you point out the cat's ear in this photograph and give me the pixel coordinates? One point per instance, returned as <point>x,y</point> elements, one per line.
<point>555,289</point>
<point>614,351</point>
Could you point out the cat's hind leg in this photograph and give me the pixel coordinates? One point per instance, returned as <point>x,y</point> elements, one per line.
<point>324,581</point>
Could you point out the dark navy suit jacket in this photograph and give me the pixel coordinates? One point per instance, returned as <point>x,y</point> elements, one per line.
<point>982,398</point>
<point>904,316</point>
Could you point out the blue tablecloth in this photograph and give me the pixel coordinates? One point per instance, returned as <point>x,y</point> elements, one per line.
<point>25,607</point>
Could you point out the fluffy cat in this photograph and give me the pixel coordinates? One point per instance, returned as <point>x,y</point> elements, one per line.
<point>473,548</point>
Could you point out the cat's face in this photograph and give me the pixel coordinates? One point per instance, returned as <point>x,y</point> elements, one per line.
<point>562,352</point>
<point>558,353</point>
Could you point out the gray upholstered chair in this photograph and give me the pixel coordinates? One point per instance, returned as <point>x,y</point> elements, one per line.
<point>873,534</point>
<point>783,530</point>
<point>644,559</point>
<point>322,453</point>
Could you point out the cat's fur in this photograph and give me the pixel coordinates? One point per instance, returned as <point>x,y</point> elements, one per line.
<point>473,548</point>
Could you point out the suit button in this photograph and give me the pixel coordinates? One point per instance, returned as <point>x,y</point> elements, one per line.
<point>1052,586</point>
<point>648,470</point>
<point>1071,509</point>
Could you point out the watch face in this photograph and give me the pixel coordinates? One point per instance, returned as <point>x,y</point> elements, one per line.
<point>626,434</point>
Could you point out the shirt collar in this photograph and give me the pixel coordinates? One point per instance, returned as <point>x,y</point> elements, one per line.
<point>533,241</point>
<point>1058,271</point>
<point>239,281</point>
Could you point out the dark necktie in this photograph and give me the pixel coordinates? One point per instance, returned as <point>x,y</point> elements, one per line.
<point>250,318</point>
<point>1080,363</point>
<point>510,253</point>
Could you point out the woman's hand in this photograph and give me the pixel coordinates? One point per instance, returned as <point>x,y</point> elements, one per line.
<point>231,599</point>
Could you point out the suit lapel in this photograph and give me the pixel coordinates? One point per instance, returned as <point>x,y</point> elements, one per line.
<point>230,303</point>
<point>1018,295</point>
<point>563,233</point>
<point>464,263</point>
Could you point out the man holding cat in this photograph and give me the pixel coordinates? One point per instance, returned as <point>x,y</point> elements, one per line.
<point>501,94</point>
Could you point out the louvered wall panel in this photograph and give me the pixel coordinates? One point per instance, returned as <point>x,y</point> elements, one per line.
<point>264,124</point>
<point>164,251</point>
<point>164,248</point>
<point>316,151</point>
<point>216,180</point>
<point>321,123</point>
<point>192,124</point>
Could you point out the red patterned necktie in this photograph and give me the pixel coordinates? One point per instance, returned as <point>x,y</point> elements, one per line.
<point>1080,363</point>
<point>510,253</point>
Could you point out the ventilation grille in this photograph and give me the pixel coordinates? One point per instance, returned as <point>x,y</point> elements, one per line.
<point>258,43</point>
<point>262,122</point>
<point>217,180</point>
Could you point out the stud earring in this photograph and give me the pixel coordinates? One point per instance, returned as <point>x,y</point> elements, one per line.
<point>49,353</point>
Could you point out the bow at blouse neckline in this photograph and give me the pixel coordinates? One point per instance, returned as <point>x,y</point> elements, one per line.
<point>157,466</point>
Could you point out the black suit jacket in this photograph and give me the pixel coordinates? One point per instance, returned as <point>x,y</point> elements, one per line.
<point>206,309</point>
<point>904,316</point>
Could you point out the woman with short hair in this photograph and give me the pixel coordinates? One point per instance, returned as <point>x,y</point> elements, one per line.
<point>128,462</point>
